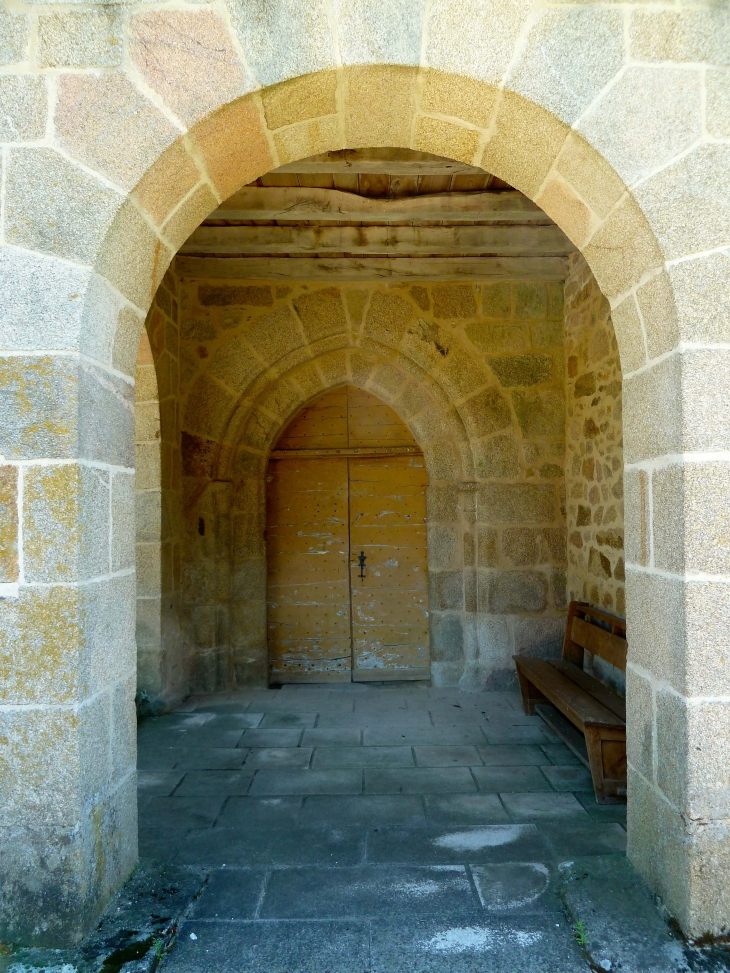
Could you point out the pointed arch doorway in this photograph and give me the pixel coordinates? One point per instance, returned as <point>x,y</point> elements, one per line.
<point>347,583</point>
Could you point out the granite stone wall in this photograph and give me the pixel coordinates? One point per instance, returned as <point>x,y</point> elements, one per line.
<point>163,678</point>
<point>477,372</point>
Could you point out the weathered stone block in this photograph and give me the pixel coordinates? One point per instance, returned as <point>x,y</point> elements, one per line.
<point>525,546</point>
<point>501,23</point>
<point>540,638</point>
<point>510,592</point>
<point>65,523</point>
<point>321,312</point>
<point>234,365</point>
<point>442,502</point>
<point>123,520</point>
<point>570,56</point>
<point>14,36</point>
<point>496,457</point>
<point>379,105</point>
<point>370,32</point>
<point>485,413</point>
<point>640,729</point>
<point>453,301</point>
<point>286,41</point>
<point>487,547</point>
<point>530,300</point>
<point>473,101</point>
<point>540,413</point>
<point>445,590</point>
<point>23,108</point>
<point>105,122</point>
<point>499,337</point>
<point>86,39</point>
<point>517,503</point>
<point>233,161</point>
<point>300,99</point>
<point>82,881</point>
<point>441,548</point>
<point>497,300</point>
<point>707,170</point>
<point>522,369</point>
<point>53,206</point>
<point>447,637</point>
<point>647,117</point>
<point>388,317</point>
<point>8,524</point>
<point>174,49</point>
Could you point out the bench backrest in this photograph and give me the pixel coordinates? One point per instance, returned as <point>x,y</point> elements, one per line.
<point>607,639</point>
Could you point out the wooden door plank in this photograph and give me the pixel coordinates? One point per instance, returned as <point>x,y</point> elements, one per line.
<point>308,588</point>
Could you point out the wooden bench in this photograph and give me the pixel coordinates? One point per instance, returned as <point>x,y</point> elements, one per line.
<point>584,712</point>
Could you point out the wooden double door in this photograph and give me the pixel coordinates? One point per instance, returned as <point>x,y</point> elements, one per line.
<point>346,543</point>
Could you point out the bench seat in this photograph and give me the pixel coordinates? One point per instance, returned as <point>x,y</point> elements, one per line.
<point>589,716</point>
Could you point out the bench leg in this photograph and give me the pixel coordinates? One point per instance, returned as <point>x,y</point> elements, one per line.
<point>530,695</point>
<point>607,759</point>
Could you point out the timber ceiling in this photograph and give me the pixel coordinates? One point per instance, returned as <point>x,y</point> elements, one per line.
<point>377,212</point>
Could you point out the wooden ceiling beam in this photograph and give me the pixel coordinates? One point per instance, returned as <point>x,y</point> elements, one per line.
<point>373,268</point>
<point>390,162</point>
<point>386,240</point>
<point>295,203</point>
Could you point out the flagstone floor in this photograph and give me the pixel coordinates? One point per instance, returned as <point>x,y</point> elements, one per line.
<point>360,828</point>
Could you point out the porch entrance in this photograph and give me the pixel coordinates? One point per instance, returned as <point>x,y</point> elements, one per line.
<point>347,591</point>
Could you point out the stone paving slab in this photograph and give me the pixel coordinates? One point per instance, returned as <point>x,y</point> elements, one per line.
<point>423,780</point>
<point>326,757</point>
<point>602,812</point>
<point>230,893</point>
<point>507,755</point>
<point>157,781</point>
<point>269,757</point>
<point>288,720</point>
<point>159,758</point>
<point>495,780</point>
<point>245,812</point>
<point>561,755</point>
<point>273,947</point>
<point>541,806</point>
<point>395,736</point>
<point>339,737</point>
<point>517,887</point>
<point>179,813</point>
<point>212,758</point>
<point>623,926</point>
<point>223,782</point>
<point>569,778</point>
<point>271,737</point>
<point>363,810</point>
<point>525,944</point>
<point>307,782</point>
<point>517,734</point>
<point>457,845</point>
<point>467,809</point>
<point>368,891</point>
<point>453,756</point>
<point>273,845</point>
<point>583,838</point>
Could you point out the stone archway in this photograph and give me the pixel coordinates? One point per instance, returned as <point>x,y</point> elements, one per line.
<point>135,160</point>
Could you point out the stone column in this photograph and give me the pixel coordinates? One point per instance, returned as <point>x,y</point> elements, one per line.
<point>677,479</point>
<point>68,824</point>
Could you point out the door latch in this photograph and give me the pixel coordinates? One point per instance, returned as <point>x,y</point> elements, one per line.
<point>361,562</point>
